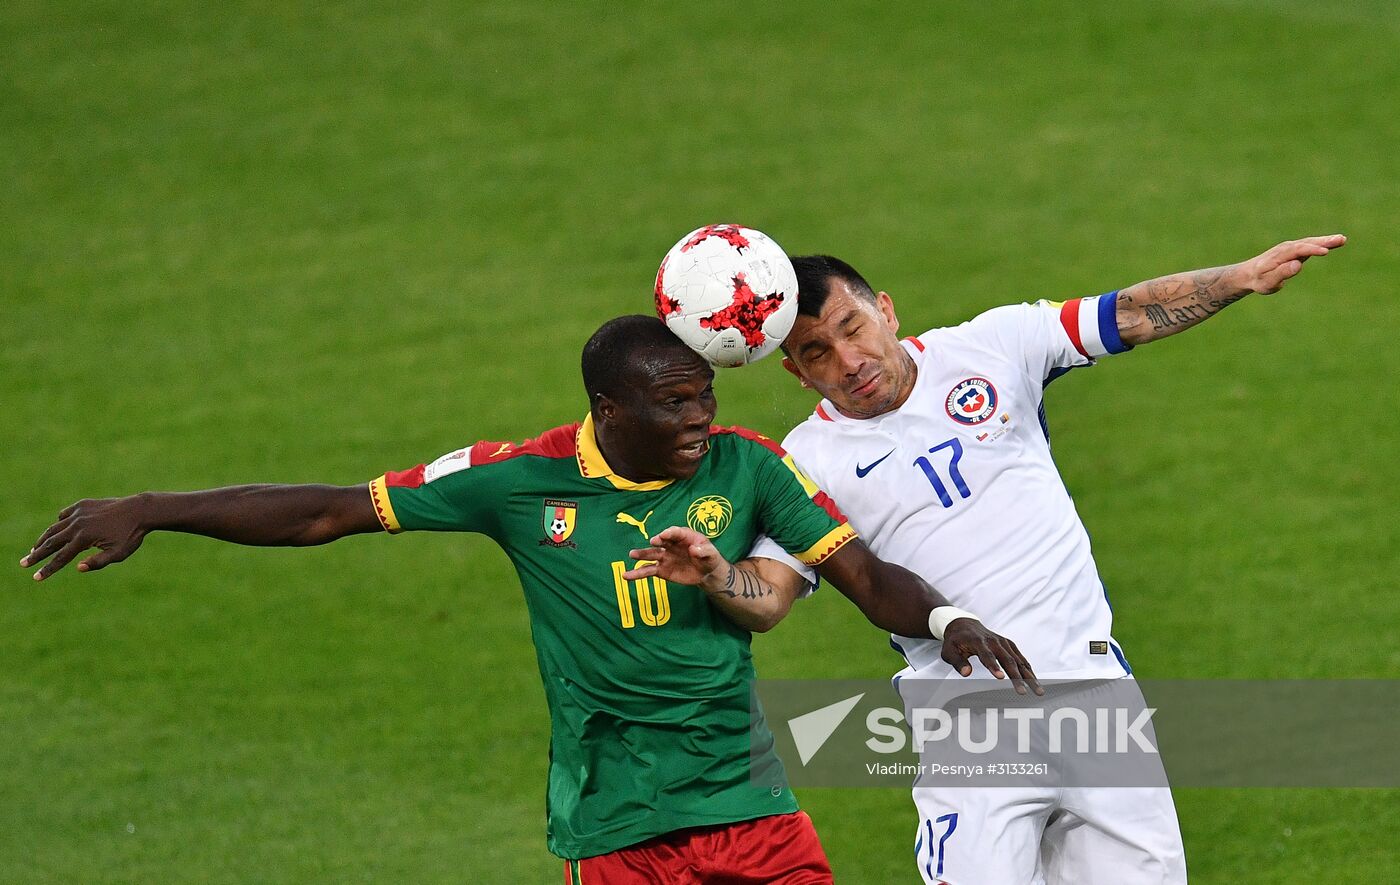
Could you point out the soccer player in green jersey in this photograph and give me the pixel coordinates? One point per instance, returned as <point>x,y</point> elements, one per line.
<point>648,683</point>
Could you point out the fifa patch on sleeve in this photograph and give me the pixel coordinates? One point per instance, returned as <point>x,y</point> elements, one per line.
<point>448,464</point>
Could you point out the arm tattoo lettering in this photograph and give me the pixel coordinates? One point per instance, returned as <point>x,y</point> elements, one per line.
<point>1173,303</point>
<point>1189,313</point>
<point>1158,317</point>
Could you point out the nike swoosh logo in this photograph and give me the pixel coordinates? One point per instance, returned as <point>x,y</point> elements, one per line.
<point>862,471</point>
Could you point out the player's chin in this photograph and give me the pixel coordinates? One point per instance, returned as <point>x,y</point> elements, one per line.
<point>869,402</point>
<point>681,470</point>
<point>685,461</point>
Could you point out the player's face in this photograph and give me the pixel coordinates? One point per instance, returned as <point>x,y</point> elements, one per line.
<point>851,353</point>
<point>662,431</point>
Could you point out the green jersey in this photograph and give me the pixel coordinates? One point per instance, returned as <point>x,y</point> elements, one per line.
<point>648,684</point>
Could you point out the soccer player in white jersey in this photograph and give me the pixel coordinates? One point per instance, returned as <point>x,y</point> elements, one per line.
<point>937,450</point>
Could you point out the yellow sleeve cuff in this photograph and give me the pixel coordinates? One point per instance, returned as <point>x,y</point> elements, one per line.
<point>830,542</point>
<point>379,495</point>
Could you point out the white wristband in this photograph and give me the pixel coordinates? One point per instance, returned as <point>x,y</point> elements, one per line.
<point>941,617</point>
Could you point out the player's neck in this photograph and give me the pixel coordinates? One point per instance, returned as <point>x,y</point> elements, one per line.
<point>906,383</point>
<point>614,452</point>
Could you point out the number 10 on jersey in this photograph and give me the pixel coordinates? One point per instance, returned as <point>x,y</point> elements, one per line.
<point>955,445</point>
<point>653,601</point>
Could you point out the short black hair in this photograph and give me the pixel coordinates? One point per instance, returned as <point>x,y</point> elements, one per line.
<point>621,348</point>
<point>814,275</point>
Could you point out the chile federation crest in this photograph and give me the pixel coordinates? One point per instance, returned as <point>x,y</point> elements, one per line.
<point>971,401</point>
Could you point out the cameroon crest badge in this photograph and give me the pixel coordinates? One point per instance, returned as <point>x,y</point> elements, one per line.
<point>560,517</point>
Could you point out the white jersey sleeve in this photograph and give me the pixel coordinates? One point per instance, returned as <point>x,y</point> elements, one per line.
<point>765,547</point>
<point>1053,336</point>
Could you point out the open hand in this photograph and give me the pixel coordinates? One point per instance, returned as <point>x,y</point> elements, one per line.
<point>1267,273</point>
<point>110,524</point>
<point>965,638</point>
<point>679,555</point>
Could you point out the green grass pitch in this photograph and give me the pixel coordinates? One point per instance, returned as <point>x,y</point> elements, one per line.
<point>308,242</point>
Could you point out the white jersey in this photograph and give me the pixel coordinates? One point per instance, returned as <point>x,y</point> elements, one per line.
<point>958,484</point>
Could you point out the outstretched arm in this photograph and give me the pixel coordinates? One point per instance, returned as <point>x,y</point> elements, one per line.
<point>259,515</point>
<point>756,593</point>
<point>1167,305</point>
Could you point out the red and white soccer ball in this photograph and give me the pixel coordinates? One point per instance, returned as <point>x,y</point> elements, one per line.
<point>729,292</point>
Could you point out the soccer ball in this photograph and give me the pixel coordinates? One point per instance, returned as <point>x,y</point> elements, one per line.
<point>729,292</point>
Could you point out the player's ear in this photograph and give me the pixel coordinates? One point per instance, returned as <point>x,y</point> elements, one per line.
<point>604,408</point>
<point>792,367</point>
<point>885,303</point>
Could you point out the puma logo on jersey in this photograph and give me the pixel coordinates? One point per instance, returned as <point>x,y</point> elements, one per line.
<point>862,471</point>
<point>641,524</point>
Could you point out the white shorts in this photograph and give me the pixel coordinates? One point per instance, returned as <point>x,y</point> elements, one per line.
<point>1048,835</point>
<point>1079,835</point>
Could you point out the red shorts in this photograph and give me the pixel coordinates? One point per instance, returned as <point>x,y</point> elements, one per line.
<point>782,848</point>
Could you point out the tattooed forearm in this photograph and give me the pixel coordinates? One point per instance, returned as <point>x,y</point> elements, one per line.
<point>742,585</point>
<point>1167,305</point>
<point>748,599</point>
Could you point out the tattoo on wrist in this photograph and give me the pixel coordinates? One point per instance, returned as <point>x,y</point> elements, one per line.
<point>728,588</point>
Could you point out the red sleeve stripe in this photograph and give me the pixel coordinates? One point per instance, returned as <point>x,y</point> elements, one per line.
<point>1069,318</point>
<point>490,451</point>
<point>411,478</point>
<point>823,500</point>
<point>558,442</point>
<point>750,435</point>
<point>916,342</point>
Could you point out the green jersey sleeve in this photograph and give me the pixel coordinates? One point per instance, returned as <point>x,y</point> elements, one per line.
<point>452,494</point>
<point>792,510</point>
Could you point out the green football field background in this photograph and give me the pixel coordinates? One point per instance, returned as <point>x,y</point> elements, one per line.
<point>240,242</point>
